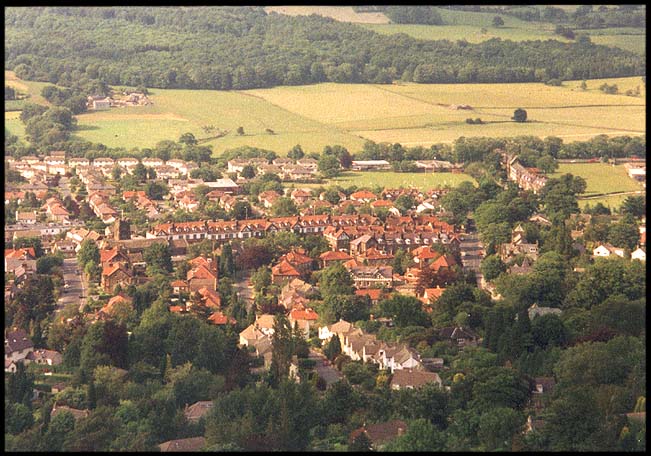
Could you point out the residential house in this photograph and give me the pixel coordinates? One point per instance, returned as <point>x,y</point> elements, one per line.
<point>284,271</point>
<point>359,245</point>
<point>220,319</point>
<point>413,379</point>
<point>398,357</point>
<point>380,434</point>
<point>116,274</point>
<point>524,268</point>
<point>17,345</point>
<point>372,276</point>
<point>203,273</point>
<point>191,444</point>
<point>300,196</point>
<point>300,261</point>
<point>606,250</point>
<point>518,246</point>
<point>179,286</point>
<point>460,336</point>
<point>431,295</point>
<point>543,387</point>
<point>305,319</point>
<point>268,198</point>
<point>26,218</point>
<point>47,357</point>
<point>193,413</point>
<point>340,328</point>
<point>152,162</point>
<point>363,196</point>
<point>333,256</point>
<point>224,185</point>
<point>261,327</point>
<point>337,238</point>
<point>76,413</point>
<point>374,294</point>
<point>638,254</point>
<point>295,293</point>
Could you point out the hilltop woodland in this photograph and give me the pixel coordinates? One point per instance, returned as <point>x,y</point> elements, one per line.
<point>243,47</point>
<point>136,373</point>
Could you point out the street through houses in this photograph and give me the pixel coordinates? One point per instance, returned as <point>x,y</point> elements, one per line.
<point>73,290</point>
<point>471,255</point>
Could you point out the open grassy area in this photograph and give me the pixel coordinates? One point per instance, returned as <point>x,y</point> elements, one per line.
<point>391,179</point>
<point>14,125</point>
<point>476,27</point>
<point>600,178</point>
<point>611,201</point>
<point>32,88</point>
<point>340,13</point>
<point>348,114</point>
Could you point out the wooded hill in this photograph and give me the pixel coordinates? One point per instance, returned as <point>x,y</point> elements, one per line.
<point>243,47</point>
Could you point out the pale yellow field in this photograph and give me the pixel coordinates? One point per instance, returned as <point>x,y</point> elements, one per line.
<point>340,13</point>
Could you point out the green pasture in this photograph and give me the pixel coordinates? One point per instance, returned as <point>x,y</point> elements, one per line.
<point>611,201</point>
<point>392,179</point>
<point>14,125</point>
<point>601,178</point>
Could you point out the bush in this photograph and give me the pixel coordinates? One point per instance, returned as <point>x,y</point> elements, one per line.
<point>554,82</point>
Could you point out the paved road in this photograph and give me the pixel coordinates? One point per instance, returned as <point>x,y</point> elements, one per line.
<point>329,373</point>
<point>243,289</point>
<point>75,285</point>
<point>472,248</point>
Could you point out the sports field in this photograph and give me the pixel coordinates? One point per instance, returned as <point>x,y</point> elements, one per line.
<point>391,179</point>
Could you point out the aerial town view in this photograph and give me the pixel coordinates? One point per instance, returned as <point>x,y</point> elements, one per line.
<point>325,228</point>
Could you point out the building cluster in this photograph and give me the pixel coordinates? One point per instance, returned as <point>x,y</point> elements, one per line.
<point>526,178</point>
<point>302,170</point>
<point>99,102</point>
<point>19,348</point>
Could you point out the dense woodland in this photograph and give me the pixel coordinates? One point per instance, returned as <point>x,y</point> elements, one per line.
<point>243,47</point>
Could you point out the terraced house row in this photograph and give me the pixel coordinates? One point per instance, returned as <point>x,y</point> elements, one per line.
<point>396,232</point>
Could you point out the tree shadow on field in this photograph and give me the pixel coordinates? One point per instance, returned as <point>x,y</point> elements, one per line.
<point>86,127</point>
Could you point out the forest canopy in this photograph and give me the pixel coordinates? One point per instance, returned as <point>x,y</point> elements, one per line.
<point>244,47</point>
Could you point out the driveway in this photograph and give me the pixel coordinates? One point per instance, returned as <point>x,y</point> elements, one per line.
<point>75,285</point>
<point>329,373</point>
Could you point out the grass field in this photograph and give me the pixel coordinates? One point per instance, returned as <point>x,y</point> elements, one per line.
<point>390,179</point>
<point>600,177</point>
<point>476,27</point>
<point>32,88</point>
<point>13,124</point>
<point>612,201</point>
<point>348,114</point>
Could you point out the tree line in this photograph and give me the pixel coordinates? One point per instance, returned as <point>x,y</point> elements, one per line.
<point>228,48</point>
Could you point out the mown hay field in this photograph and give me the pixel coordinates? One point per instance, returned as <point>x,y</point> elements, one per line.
<point>600,178</point>
<point>348,114</point>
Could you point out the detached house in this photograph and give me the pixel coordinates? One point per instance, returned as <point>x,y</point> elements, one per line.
<point>606,250</point>
<point>372,276</point>
<point>17,345</point>
<point>413,379</point>
<point>460,336</point>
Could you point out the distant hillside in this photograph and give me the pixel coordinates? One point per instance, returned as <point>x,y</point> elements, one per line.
<point>244,47</point>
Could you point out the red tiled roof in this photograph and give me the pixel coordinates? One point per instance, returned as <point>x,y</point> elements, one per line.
<point>382,203</point>
<point>363,194</point>
<point>284,269</point>
<point>307,314</point>
<point>297,258</point>
<point>444,261</point>
<point>425,253</point>
<point>334,255</point>
<point>373,293</point>
<point>218,318</point>
<point>20,253</point>
<point>201,272</point>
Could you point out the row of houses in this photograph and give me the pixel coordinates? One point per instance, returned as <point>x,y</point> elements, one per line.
<point>53,164</point>
<point>286,168</point>
<point>525,178</point>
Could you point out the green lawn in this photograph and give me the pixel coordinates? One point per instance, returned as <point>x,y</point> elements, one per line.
<point>612,201</point>
<point>390,179</point>
<point>14,125</point>
<point>600,177</point>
